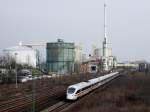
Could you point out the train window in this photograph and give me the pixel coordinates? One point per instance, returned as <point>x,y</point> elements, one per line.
<point>85,88</point>
<point>78,92</point>
<point>71,90</point>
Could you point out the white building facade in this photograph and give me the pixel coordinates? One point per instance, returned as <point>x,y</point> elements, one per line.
<point>23,55</point>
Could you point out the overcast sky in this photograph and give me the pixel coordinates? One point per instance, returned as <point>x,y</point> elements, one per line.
<point>80,21</point>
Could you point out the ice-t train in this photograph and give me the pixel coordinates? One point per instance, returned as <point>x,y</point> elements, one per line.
<point>77,90</point>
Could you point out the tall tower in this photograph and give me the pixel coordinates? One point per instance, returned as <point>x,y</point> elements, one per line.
<point>105,47</point>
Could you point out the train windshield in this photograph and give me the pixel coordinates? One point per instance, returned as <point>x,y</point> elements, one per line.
<point>71,90</point>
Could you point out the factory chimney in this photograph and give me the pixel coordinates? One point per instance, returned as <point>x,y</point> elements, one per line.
<point>105,47</point>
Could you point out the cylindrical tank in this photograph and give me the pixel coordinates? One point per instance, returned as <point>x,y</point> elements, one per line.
<point>98,53</point>
<point>22,55</point>
<point>60,57</point>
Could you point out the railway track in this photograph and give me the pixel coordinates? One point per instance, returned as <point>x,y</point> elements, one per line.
<point>62,106</point>
<point>57,107</point>
<point>43,98</point>
<point>9,91</point>
<point>23,103</point>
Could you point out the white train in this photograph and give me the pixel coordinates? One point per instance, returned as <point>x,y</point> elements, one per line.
<point>77,90</point>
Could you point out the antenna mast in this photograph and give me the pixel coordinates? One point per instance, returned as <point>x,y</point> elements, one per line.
<point>105,23</point>
<point>105,49</point>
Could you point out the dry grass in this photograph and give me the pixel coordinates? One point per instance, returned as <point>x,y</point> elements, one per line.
<point>8,91</point>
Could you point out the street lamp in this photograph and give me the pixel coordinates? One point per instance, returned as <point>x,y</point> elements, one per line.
<point>16,69</point>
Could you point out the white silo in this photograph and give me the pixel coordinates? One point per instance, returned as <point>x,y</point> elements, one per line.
<point>22,54</point>
<point>98,53</point>
<point>109,51</point>
<point>78,53</point>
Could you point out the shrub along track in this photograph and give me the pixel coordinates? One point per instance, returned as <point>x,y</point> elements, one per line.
<point>47,92</point>
<point>65,105</point>
<point>128,93</point>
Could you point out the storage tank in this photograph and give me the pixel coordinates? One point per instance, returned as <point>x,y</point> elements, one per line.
<point>60,57</point>
<point>97,53</point>
<point>22,55</point>
<point>78,53</point>
<point>109,51</point>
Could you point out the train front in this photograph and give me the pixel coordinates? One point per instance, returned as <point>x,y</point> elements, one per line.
<point>71,93</point>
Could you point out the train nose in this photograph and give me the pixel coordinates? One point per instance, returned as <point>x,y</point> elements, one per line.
<point>71,97</point>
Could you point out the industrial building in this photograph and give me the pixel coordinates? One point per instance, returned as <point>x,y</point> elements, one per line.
<point>78,57</point>
<point>109,61</point>
<point>91,66</point>
<point>78,53</point>
<point>22,54</point>
<point>97,53</point>
<point>128,64</point>
<point>60,57</point>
